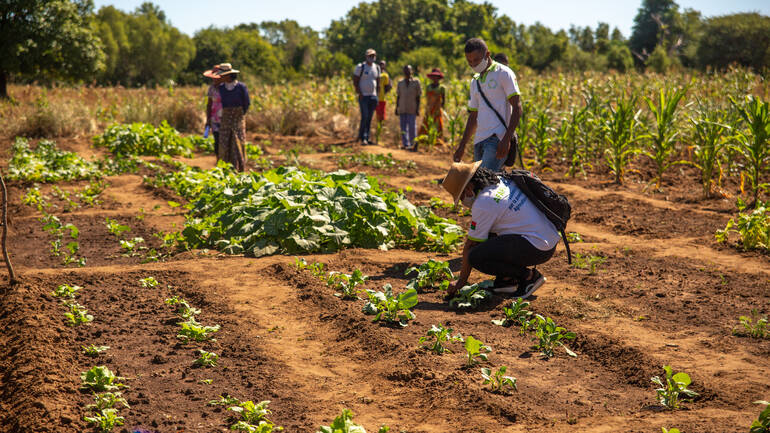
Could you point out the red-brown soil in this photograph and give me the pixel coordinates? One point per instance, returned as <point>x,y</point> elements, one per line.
<point>667,294</point>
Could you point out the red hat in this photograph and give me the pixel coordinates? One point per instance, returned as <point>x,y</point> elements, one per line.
<point>436,72</point>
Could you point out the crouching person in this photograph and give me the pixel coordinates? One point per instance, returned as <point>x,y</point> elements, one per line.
<point>508,235</point>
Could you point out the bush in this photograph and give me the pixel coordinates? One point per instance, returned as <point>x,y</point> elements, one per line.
<point>739,38</point>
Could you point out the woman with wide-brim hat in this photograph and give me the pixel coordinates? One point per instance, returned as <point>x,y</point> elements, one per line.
<point>235,104</point>
<point>508,234</point>
<point>214,105</point>
<point>435,98</point>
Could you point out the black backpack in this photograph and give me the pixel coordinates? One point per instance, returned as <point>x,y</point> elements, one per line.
<point>555,206</point>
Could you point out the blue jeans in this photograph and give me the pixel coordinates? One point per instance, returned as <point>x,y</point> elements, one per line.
<point>367,105</point>
<point>486,151</point>
<point>408,129</point>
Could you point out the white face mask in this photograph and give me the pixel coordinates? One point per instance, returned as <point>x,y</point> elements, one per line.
<point>481,66</point>
<point>468,201</point>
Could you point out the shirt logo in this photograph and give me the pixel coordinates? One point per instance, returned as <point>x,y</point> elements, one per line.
<point>473,225</point>
<point>492,84</point>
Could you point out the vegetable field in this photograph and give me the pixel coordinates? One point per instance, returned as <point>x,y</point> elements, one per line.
<point>160,292</point>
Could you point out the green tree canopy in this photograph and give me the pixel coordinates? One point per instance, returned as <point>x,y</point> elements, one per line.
<point>743,39</point>
<point>50,39</point>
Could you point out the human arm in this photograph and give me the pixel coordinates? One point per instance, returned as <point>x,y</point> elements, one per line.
<point>357,80</point>
<point>465,268</point>
<point>513,123</point>
<point>470,129</point>
<point>246,99</point>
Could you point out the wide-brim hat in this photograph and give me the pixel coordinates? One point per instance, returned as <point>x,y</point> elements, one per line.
<point>370,52</point>
<point>226,69</point>
<point>436,72</point>
<point>458,177</point>
<point>212,73</point>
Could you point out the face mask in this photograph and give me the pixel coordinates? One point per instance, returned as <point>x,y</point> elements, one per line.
<point>468,201</point>
<point>481,66</point>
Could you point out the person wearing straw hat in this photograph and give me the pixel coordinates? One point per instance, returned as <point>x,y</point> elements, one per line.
<point>435,98</point>
<point>214,105</point>
<point>235,104</point>
<point>508,234</point>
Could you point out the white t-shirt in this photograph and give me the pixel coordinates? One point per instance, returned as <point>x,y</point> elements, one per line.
<point>498,84</point>
<point>504,209</point>
<point>368,81</point>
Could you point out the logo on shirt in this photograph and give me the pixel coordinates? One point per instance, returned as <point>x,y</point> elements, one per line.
<point>492,84</point>
<point>473,225</point>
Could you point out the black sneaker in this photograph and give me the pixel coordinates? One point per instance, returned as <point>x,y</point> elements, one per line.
<point>505,285</point>
<point>527,287</point>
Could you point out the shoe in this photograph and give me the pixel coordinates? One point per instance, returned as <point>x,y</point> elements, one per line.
<point>527,287</point>
<point>505,285</point>
<point>364,142</point>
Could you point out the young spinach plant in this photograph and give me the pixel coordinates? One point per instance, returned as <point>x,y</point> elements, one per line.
<point>437,337</point>
<point>498,381</point>
<point>548,336</point>
<point>470,297</point>
<point>476,351</point>
<point>389,308</point>
<point>432,274</point>
<point>671,386</point>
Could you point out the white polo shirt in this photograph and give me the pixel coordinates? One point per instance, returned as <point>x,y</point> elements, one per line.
<point>504,209</point>
<point>368,80</point>
<point>498,84</point>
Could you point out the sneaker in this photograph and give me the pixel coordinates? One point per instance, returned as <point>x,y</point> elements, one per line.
<point>527,287</point>
<point>505,285</point>
<point>364,142</point>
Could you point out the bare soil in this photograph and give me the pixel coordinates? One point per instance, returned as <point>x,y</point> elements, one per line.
<point>667,294</point>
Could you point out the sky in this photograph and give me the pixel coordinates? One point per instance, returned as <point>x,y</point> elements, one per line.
<point>192,15</point>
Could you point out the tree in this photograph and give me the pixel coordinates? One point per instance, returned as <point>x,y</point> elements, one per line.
<point>741,38</point>
<point>47,39</point>
<point>651,22</point>
<point>619,57</point>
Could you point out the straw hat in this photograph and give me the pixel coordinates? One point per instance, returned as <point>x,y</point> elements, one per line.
<point>212,73</point>
<point>436,72</point>
<point>371,52</point>
<point>226,69</point>
<point>458,177</point>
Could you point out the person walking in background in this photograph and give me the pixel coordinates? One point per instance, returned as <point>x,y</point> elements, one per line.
<point>366,79</point>
<point>435,99</point>
<point>494,108</point>
<point>214,106</point>
<point>501,58</point>
<point>383,87</point>
<point>235,104</point>
<point>408,95</point>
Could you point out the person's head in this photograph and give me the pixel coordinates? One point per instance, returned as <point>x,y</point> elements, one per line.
<point>371,56</point>
<point>501,58</point>
<point>458,180</point>
<point>477,54</point>
<point>383,65</point>
<point>227,72</point>
<point>435,75</point>
<point>213,73</point>
<point>408,71</point>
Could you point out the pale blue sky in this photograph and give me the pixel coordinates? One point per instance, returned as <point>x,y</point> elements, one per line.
<point>192,15</point>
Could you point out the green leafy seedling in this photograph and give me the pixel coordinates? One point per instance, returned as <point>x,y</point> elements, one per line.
<point>225,400</point>
<point>754,326</point>
<point>437,337</point>
<point>93,350</point>
<point>673,430</point>
<point>149,282</point>
<point>476,351</point>
<point>107,400</point>
<point>389,308</point>
<point>66,291</point>
<point>346,283</point>
<point>206,359</point>
<point>105,420</point>
<point>548,336</point>
<point>191,330</point>
<point>498,381</point>
<point>762,423</point>
<point>252,417</point>
<point>344,424</point>
<point>515,315</point>
<point>432,274</point>
<point>77,314</point>
<point>100,378</point>
<point>116,228</point>
<point>668,392</point>
<point>184,309</point>
<point>472,296</point>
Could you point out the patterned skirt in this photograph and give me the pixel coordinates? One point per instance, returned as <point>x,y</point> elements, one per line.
<point>232,133</point>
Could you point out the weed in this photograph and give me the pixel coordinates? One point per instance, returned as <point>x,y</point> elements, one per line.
<point>476,351</point>
<point>498,381</point>
<point>675,384</point>
<point>206,359</point>
<point>752,227</point>
<point>440,336</point>
<point>589,261</point>
<point>101,379</point>
<point>754,326</point>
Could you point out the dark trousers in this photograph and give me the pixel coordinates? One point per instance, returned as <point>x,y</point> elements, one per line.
<point>216,142</point>
<point>507,256</point>
<point>367,105</point>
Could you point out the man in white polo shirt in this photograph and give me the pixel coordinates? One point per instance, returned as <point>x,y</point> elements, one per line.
<point>366,80</point>
<point>494,99</point>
